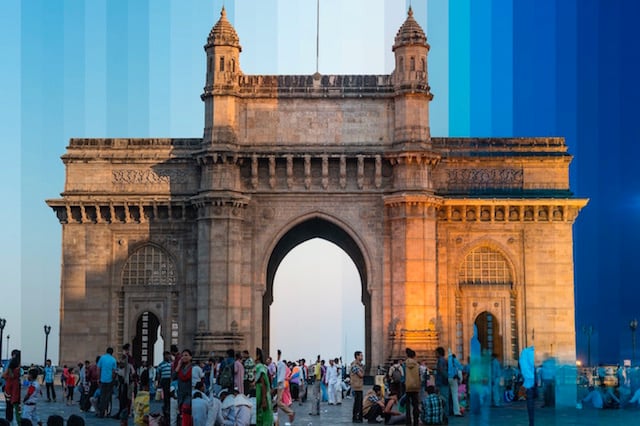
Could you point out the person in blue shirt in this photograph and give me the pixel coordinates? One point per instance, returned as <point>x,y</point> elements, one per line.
<point>49,375</point>
<point>454,376</point>
<point>527,369</point>
<point>107,366</point>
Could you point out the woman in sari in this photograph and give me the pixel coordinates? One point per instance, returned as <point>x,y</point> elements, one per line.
<point>264,408</point>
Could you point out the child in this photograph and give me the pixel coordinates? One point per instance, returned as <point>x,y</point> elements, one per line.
<point>31,398</point>
<point>70,381</point>
<point>141,402</point>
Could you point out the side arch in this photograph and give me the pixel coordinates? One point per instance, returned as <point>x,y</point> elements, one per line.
<point>306,228</point>
<point>487,281</point>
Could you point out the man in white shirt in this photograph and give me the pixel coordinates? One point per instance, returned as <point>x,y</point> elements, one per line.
<point>281,374</point>
<point>333,382</point>
<point>197,375</point>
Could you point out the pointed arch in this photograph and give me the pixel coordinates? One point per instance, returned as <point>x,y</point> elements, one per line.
<point>305,228</point>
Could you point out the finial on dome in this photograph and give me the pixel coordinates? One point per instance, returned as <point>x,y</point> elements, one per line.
<point>223,13</point>
<point>410,13</point>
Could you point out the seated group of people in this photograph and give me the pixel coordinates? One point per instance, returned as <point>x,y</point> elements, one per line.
<point>377,409</point>
<point>53,420</point>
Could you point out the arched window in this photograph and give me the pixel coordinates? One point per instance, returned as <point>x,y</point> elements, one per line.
<point>233,65</point>
<point>424,64</point>
<point>412,66</point>
<point>483,265</point>
<point>221,63</point>
<point>401,64</point>
<point>149,265</point>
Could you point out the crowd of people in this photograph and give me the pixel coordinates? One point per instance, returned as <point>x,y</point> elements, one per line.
<point>241,389</point>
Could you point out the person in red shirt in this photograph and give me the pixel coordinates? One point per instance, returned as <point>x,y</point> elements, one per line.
<point>12,387</point>
<point>71,385</point>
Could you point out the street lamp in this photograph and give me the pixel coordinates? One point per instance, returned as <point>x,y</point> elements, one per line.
<point>3,322</point>
<point>633,324</point>
<point>47,330</point>
<point>588,330</point>
<point>8,336</point>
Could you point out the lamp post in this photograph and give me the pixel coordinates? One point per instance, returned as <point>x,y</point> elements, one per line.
<point>47,330</point>
<point>633,325</point>
<point>8,337</point>
<point>3,322</point>
<point>588,330</point>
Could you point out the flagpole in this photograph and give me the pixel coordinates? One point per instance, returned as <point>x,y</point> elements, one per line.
<point>317,33</point>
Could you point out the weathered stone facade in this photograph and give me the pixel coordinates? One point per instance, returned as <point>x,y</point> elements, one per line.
<point>445,232</point>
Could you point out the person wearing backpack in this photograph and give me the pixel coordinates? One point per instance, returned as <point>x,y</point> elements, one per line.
<point>225,380</point>
<point>396,376</point>
<point>412,387</point>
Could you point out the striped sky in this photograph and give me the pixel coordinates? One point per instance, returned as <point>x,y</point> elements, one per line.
<point>96,68</point>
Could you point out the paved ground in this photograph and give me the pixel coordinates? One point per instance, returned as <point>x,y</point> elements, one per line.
<point>514,414</point>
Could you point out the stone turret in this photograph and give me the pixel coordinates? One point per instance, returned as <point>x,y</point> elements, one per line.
<point>411,84</point>
<point>223,70</point>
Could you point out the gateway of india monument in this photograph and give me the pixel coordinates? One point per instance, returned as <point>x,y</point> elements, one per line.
<point>181,238</point>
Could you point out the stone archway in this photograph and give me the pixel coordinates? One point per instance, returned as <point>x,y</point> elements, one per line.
<point>489,334</point>
<point>146,336</point>
<point>316,228</point>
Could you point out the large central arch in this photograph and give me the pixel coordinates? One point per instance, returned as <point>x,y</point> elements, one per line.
<point>316,227</point>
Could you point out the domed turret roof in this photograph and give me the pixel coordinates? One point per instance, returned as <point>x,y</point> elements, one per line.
<point>223,33</point>
<point>410,33</point>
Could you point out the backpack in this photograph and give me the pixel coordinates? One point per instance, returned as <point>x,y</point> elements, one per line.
<point>226,377</point>
<point>396,375</point>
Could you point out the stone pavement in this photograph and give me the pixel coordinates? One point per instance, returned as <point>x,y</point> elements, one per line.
<point>514,414</point>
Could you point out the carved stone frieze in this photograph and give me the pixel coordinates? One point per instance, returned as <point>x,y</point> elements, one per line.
<point>146,177</point>
<point>484,178</point>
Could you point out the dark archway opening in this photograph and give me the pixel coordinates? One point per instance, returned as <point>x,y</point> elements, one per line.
<point>489,334</point>
<point>310,229</point>
<point>146,336</point>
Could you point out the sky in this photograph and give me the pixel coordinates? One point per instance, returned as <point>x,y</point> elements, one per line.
<point>116,68</point>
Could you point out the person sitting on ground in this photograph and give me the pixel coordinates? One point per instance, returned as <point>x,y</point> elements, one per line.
<point>390,414</point>
<point>214,412</point>
<point>594,397</point>
<point>609,398</point>
<point>373,405</point>
<point>141,403</point>
<point>432,408</point>
<point>199,404</point>
<point>635,398</point>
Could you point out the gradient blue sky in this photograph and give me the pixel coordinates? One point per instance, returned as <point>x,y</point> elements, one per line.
<point>98,68</point>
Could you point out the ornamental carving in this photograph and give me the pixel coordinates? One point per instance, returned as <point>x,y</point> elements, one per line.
<point>135,176</point>
<point>483,178</point>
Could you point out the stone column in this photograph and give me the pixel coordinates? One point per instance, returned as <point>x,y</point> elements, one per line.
<point>412,263</point>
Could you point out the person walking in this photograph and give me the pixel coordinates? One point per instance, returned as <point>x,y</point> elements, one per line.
<point>281,375</point>
<point>164,379</point>
<point>264,410</point>
<point>356,376</point>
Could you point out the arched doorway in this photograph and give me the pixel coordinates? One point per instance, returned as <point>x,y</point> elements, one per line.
<point>317,306</point>
<point>305,231</point>
<point>489,334</point>
<point>147,332</point>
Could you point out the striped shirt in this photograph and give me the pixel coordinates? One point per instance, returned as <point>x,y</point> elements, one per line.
<point>164,370</point>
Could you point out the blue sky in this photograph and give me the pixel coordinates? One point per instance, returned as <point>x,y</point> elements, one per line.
<point>497,67</point>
